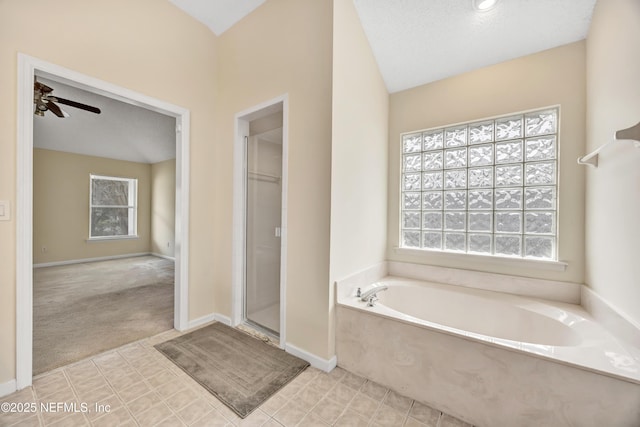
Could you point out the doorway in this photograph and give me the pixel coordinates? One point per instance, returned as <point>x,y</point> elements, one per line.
<point>28,67</point>
<point>260,182</point>
<point>263,225</point>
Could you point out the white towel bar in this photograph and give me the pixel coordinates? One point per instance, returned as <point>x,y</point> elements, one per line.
<point>629,134</point>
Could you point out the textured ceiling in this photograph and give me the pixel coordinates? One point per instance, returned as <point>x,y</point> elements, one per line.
<point>421,41</point>
<point>122,131</point>
<point>218,15</point>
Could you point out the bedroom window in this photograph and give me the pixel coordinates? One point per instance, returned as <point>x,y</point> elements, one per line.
<point>486,187</point>
<point>113,207</point>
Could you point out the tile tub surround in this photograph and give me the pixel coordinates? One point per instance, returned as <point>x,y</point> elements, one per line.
<point>620,325</point>
<point>480,381</point>
<point>476,382</point>
<point>560,332</point>
<point>567,292</point>
<point>518,285</point>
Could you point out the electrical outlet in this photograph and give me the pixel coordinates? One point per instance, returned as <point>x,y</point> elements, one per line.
<point>168,244</point>
<point>44,249</point>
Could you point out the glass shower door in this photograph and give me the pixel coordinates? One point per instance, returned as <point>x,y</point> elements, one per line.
<point>263,217</point>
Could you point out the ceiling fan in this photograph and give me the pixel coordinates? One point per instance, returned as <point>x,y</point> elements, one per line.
<point>45,100</point>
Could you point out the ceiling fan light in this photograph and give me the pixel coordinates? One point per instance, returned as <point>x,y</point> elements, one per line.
<point>484,5</point>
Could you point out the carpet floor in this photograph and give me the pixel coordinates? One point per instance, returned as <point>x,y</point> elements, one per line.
<point>240,370</point>
<point>81,310</point>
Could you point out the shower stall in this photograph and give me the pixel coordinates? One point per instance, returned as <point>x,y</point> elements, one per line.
<point>263,215</point>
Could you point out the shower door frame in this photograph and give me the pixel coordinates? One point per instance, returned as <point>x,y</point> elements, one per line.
<point>242,120</point>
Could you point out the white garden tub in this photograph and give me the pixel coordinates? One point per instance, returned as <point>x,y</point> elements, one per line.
<point>489,358</point>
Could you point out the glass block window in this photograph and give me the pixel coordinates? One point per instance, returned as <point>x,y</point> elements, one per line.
<point>113,206</point>
<point>487,187</point>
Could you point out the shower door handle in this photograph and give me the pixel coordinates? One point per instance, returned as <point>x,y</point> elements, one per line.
<point>278,232</point>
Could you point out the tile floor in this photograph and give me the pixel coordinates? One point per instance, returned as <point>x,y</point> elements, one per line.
<point>143,388</point>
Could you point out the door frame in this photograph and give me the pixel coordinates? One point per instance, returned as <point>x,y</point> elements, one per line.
<point>241,121</point>
<point>27,68</point>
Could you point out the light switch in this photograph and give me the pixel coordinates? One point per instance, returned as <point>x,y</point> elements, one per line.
<point>5,210</point>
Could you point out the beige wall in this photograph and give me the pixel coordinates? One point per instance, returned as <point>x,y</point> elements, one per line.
<point>613,189</point>
<point>284,46</point>
<point>163,207</point>
<point>359,154</point>
<point>147,46</point>
<point>61,206</point>
<point>337,103</point>
<point>555,76</point>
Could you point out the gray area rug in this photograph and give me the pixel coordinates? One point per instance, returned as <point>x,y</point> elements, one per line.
<point>81,310</point>
<point>241,371</point>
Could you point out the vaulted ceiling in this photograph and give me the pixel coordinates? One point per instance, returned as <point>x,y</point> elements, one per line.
<point>420,41</point>
<point>218,15</point>
<point>414,42</point>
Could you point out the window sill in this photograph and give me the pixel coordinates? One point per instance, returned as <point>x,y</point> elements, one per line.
<point>98,239</point>
<point>487,259</point>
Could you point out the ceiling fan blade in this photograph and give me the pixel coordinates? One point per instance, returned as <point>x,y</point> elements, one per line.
<point>54,109</point>
<point>77,105</point>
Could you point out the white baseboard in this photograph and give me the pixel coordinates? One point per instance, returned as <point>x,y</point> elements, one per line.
<point>170,258</point>
<point>83,260</point>
<point>315,361</point>
<point>222,318</point>
<point>8,388</point>
<point>208,319</point>
<point>201,321</point>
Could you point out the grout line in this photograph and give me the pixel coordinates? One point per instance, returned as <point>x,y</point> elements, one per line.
<point>75,393</point>
<point>40,416</point>
<point>153,389</point>
<point>406,417</point>
<point>115,393</point>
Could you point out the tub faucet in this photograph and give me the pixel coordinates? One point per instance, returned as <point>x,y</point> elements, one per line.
<point>370,295</point>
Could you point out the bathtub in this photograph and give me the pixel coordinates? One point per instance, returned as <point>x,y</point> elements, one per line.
<point>489,358</point>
